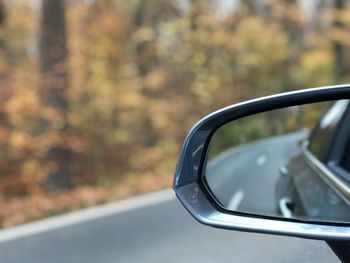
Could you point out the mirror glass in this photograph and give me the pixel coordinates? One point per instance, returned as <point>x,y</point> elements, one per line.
<point>292,162</point>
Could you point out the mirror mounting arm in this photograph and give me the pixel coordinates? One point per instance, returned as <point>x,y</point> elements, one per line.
<point>341,249</point>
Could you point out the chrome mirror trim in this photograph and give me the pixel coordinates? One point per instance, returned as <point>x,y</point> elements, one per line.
<point>197,199</point>
<point>201,209</point>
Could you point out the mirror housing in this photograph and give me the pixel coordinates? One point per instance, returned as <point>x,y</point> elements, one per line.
<point>198,200</point>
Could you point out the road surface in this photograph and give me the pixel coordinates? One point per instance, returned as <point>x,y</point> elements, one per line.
<point>152,228</point>
<point>244,178</point>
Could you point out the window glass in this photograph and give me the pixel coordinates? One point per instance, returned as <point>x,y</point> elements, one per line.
<point>322,136</point>
<point>345,160</point>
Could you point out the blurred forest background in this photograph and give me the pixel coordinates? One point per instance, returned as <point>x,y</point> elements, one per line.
<point>98,95</point>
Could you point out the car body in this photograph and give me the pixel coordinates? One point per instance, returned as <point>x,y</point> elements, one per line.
<point>315,183</point>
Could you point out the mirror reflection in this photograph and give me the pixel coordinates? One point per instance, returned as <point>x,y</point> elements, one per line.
<point>292,162</point>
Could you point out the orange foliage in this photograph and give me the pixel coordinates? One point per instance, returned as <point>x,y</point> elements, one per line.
<point>140,74</point>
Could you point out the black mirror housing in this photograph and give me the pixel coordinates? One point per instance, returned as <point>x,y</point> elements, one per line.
<point>198,199</point>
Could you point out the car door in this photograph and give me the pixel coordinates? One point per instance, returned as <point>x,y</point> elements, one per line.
<point>318,177</point>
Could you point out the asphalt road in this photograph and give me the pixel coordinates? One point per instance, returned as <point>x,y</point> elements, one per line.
<point>244,178</point>
<point>152,231</point>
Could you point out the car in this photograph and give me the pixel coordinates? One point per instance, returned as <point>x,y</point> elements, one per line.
<point>204,203</point>
<point>315,182</point>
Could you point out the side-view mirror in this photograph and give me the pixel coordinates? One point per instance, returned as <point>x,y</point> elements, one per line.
<point>278,165</point>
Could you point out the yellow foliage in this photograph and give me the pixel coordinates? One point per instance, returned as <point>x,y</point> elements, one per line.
<point>255,50</point>
<point>19,140</point>
<point>316,67</point>
<point>156,80</point>
<point>140,74</point>
<point>341,36</point>
<point>23,103</point>
<point>144,34</point>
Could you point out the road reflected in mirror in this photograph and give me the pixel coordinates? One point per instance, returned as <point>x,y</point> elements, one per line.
<point>292,163</point>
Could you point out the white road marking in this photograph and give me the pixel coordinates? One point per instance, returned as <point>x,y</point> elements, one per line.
<point>261,160</point>
<point>283,170</point>
<point>85,215</point>
<point>235,200</point>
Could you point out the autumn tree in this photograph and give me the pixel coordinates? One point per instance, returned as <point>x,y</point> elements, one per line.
<point>53,90</point>
<point>341,64</point>
<point>2,11</point>
<point>148,19</point>
<point>140,74</point>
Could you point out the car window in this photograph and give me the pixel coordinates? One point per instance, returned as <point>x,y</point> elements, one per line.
<point>345,161</point>
<point>322,136</point>
<point>340,155</point>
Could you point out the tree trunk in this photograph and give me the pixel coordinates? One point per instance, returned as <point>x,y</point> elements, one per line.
<point>2,12</point>
<point>53,87</point>
<point>2,21</point>
<point>341,66</point>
